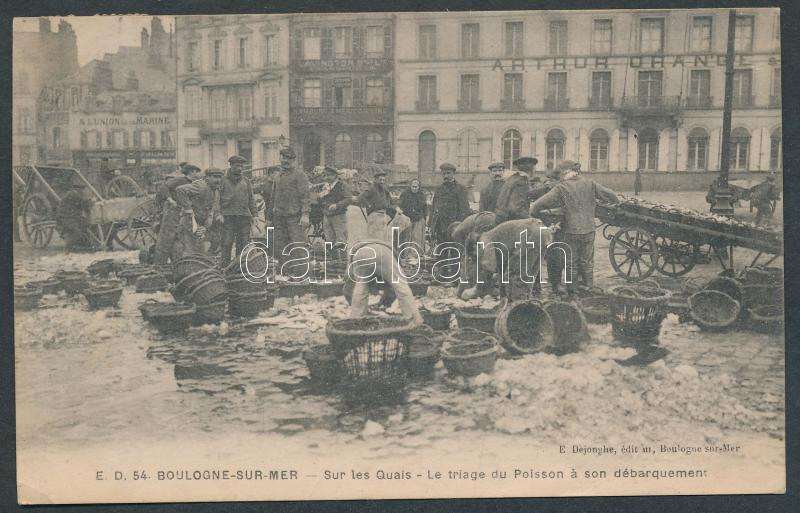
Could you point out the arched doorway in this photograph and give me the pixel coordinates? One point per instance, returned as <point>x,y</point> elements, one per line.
<point>427,152</point>
<point>312,151</point>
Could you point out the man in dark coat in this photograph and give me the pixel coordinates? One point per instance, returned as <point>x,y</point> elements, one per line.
<point>377,200</point>
<point>492,190</point>
<point>513,200</point>
<point>72,218</point>
<point>166,246</point>
<point>763,196</point>
<point>334,207</point>
<point>450,205</point>
<point>237,206</point>
<point>197,201</point>
<point>414,204</point>
<point>290,205</point>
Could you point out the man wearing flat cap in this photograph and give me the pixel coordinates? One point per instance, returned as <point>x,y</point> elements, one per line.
<point>492,190</point>
<point>196,201</point>
<point>450,205</point>
<point>237,206</point>
<point>290,204</point>
<point>334,208</point>
<point>512,200</point>
<point>577,196</point>
<point>167,246</point>
<point>377,200</point>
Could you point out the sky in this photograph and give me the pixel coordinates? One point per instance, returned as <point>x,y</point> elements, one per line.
<point>98,35</point>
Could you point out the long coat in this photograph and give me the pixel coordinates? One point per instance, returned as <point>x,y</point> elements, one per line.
<point>450,204</point>
<point>489,196</point>
<point>513,201</point>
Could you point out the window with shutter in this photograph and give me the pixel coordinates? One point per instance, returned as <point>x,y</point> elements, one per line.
<point>327,44</point>
<point>297,47</point>
<point>358,42</point>
<point>387,41</point>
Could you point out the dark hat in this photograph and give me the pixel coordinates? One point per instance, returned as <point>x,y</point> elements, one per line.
<point>288,153</point>
<point>214,172</point>
<point>331,170</point>
<point>189,168</point>
<point>526,163</point>
<point>494,165</point>
<point>236,159</point>
<point>446,166</point>
<point>379,172</point>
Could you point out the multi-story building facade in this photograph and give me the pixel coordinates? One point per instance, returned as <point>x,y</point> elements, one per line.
<point>118,111</point>
<point>37,58</point>
<point>613,90</point>
<point>342,95</point>
<point>233,88</point>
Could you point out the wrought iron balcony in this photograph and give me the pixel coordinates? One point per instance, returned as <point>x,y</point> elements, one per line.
<point>699,102</point>
<point>650,105</point>
<point>743,102</point>
<point>556,104</point>
<point>512,104</point>
<point>775,102</point>
<point>601,103</point>
<point>427,106</point>
<point>469,105</point>
<point>372,64</point>
<point>227,126</point>
<point>367,115</point>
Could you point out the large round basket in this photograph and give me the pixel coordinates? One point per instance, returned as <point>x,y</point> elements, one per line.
<point>728,286</point>
<point>481,319</point>
<point>569,326</point>
<point>101,268</point>
<point>191,264</point>
<point>202,287</point>
<point>346,334</point>
<point>171,317</point>
<point>637,313</point>
<point>767,319</point>
<point>49,286</point>
<point>242,284</point>
<point>27,298</point>
<point>212,313</point>
<point>103,295</point>
<point>713,310</point>
<point>249,304</point>
<point>525,327</point>
<point>470,359</point>
<point>596,309</point>
<point>255,265</point>
<point>323,365</point>
<point>436,319</point>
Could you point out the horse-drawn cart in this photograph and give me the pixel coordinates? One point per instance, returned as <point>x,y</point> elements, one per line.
<point>128,221</point>
<point>646,237</point>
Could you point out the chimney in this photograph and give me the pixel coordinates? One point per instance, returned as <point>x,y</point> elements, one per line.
<point>145,39</point>
<point>44,25</point>
<point>131,82</point>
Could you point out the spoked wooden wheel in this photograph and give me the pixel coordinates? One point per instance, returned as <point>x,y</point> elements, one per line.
<point>38,220</point>
<point>140,230</point>
<point>633,252</point>
<point>675,258</point>
<point>123,187</point>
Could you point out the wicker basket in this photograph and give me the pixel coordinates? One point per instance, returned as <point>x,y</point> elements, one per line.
<point>249,304</point>
<point>727,286</point>
<point>167,270</point>
<point>48,286</point>
<point>767,319</point>
<point>212,313</point>
<point>346,334</point>
<point>713,310</point>
<point>103,296</point>
<point>242,284</point>
<point>191,264</point>
<point>131,274</point>
<point>151,282</point>
<point>569,326</point>
<point>73,281</point>
<point>170,317</point>
<point>637,313</point>
<point>525,327</point>
<point>691,285</point>
<point>481,319</point>
<point>102,268</point>
<point>208,287</point>
<point>470,359</point>
<point>422,358</point>
<point>596,309</point>
<point>436,319</point>
<point>761,295</point>
<point>323,365</point>
<point>256,265</point>
<point>27,298</point>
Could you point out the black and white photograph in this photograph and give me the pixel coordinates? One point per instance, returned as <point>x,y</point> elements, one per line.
<point>398,255</point>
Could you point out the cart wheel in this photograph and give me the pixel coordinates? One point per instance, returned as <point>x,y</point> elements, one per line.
<point>675,258</point>
<point>140,230</point>
<point>123,187</point>
<point>38,220</point>
<point>632,252</point>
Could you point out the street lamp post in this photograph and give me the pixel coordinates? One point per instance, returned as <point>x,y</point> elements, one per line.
<point>723,195</point>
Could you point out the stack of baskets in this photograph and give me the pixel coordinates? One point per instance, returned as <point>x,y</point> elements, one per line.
<point>199,282</point>
<point>373,352</point>
<point>249,293</point>
<point>637,313</point>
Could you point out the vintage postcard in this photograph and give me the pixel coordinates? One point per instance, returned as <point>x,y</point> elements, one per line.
<point>398,255</point>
